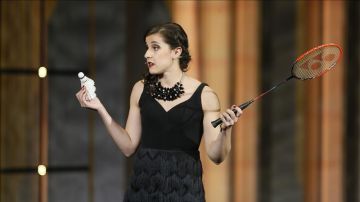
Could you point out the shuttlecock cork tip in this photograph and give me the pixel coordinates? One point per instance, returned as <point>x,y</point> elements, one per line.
<point>81,75</point>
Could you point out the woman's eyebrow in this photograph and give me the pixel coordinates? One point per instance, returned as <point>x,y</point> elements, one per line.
<point>152,43</point>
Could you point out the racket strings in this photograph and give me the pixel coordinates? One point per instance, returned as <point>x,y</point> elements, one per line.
<point>316,62</point>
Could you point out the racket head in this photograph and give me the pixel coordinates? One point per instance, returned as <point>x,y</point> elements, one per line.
<point>317,61</point>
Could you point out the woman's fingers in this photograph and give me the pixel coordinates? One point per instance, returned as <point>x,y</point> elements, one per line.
<point>226,119</point>
<point>78,94</point>
<point>237,109</point>
<point>224,123</point>
<point>230,116</point>
<point>84,100</point>
<point>81,96</point>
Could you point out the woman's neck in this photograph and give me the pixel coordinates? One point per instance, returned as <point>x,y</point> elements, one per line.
<point>170,78</point>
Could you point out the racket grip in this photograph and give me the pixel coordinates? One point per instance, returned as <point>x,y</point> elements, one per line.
<point>216,122</point>
<point>242,107</point>
<point>246,104</point>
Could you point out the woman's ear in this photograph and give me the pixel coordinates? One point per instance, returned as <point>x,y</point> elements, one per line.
<point>177,52</point>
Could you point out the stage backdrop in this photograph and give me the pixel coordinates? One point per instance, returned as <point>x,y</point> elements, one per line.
<point>301,143</point>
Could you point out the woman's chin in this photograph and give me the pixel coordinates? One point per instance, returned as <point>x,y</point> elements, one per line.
<point>153,71</point>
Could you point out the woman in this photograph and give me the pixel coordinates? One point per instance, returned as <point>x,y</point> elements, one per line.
<point>169,113</point>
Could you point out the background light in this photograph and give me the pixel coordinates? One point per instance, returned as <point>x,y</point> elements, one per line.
<point>42,72</point>
<point>42,170</point>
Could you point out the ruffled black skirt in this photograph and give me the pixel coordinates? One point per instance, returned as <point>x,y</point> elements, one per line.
<point>166,176</point>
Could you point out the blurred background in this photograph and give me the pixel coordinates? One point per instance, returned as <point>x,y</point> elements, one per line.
<point>301,143</point>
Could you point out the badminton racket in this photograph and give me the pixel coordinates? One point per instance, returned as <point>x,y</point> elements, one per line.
<point>312,64</point>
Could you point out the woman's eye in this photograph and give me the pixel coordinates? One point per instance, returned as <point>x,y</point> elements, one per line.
<point>156,48</point>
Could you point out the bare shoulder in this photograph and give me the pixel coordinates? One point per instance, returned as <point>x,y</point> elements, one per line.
<point>210,100</point>
<point>191,83</point>
<point>138,86</point>
<point>137,91</point>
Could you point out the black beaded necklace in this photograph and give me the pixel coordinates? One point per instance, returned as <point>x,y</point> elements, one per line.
<point>168,94</point>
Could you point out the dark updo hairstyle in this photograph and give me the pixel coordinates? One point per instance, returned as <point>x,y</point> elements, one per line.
<point>174,35</point>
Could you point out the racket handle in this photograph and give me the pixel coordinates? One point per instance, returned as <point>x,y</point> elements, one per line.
<point>242,107</point>
<point>246,104</point>
<point>216,122</point>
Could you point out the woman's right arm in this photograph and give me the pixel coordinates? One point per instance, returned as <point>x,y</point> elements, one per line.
<point>127,139</point>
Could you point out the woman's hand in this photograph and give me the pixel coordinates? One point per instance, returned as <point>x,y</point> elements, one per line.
<point>229,117</point>
<point>82,97</point>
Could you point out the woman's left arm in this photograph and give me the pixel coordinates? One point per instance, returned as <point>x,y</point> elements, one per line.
<point>217,140</point>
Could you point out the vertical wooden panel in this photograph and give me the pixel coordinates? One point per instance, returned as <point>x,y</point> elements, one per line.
<point>43,158</point>
<point>215,60</point>
<point>333,112</point>
<point>191,25</point>
<point>20,98</point>
<point>323,117</point>
<point>45,11</point>
<point>16,48</point>
<point>310,36</point>
<point>246,87</point>
<point>24,123</point>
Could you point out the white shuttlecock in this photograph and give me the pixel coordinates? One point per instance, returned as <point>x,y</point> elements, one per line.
<point>89,85</point>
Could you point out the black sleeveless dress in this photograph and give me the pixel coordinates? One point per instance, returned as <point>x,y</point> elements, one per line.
<point>167,166</point>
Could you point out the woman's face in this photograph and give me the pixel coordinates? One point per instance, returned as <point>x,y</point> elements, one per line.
<point>159,55</point>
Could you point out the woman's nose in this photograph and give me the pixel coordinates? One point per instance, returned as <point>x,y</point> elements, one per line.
<point>147,54</point>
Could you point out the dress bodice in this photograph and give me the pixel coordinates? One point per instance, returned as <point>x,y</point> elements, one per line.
<point>179,128</point>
